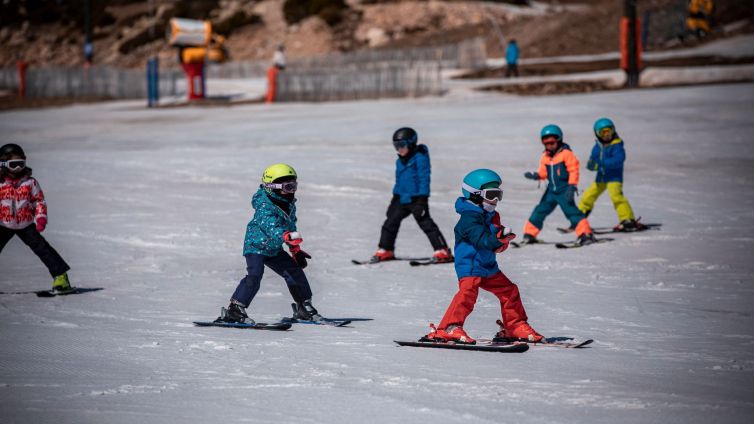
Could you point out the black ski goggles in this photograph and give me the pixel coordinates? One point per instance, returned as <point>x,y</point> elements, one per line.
<point>287,187</point>
<point>399,144</point>
<point>14,164</point>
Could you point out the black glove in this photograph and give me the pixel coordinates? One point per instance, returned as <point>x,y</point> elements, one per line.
<point>572,190</point>
<point>531,175</point>
<point>300,257</point>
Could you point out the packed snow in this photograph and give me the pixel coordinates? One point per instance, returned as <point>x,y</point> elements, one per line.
<point>151,205</point>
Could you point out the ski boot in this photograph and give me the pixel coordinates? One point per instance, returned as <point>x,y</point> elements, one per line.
<point>61,284</point>
<point>586,239</point>
<point>523,333</point>
<point>442,256</point>
<point>305,311</point>
<point>235,313</point>
<point>382,255</point>
<point>454,333</point>
<point>528,239</point>
<point>629,226</point>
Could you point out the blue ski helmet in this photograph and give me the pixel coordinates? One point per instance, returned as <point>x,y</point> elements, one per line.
<point>551,130</point>
<point>479,179</point>
<point>405,137</point>
<point>601,124</point>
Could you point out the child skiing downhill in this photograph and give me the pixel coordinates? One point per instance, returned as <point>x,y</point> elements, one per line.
<point>23,212</point>
<point>479,236</point>
<point>560,167</point>
<point>273,225</point>
<point>607,158</point>
<point>410,197</point>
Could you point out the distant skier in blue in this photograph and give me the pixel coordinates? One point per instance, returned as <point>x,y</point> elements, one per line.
<point>511,59</point>
<point>410,197</point>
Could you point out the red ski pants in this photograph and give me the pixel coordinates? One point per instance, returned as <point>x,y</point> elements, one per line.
<point>498,284</point>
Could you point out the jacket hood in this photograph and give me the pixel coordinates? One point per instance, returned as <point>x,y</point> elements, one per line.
<point>262,196</point>
<point>464,205</point>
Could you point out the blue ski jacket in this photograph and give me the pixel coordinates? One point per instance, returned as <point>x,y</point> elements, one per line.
<point>476,241</point>
<point>412,176</point>
<point>608,160</point>
<point>511,53</point>
<point>264,233</point>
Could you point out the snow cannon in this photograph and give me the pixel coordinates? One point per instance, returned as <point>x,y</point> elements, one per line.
<point>196,45</point>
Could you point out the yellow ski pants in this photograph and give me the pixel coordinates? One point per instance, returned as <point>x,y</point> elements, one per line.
<point>615,189</point>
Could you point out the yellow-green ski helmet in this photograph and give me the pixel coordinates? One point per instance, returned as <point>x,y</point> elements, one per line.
<point>278,170</point>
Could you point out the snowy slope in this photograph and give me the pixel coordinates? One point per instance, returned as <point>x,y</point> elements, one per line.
<point>152,206</point>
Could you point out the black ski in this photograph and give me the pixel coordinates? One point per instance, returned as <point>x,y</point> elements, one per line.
<point>73,290</point>
<point>565,342</point>
<point>275,326</point>
<point>324,321</point>
<point>538,241</point>
<point>430,261</point>
<point>480,346</point>
<point>575,244</point>
<point>371,261</point>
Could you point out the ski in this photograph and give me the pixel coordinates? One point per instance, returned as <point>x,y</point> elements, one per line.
<point>430,261</point>
<point>324,321</point>
<point>610,230</point>
<point>73,290</point>
<point>275,326</point>
<point>371,261</point>
<point>488,346</point>
<point>334,322</point>
<point>564,342</point>
<point>575,244</point>
<point>538,241</point>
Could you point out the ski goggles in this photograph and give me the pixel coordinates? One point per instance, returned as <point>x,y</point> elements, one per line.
<point>14,165</point>
<point>287,187</point>
<point>605,132</point>
<point>399,144</point>
<point>491,194</point>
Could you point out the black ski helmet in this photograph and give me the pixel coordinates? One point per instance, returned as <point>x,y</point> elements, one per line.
<point>405,135</point>
<point>11,149</point>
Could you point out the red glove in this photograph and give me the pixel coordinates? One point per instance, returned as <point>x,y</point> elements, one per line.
<point>292,239</point>
<point>504,239</point>
<point>41,224</point>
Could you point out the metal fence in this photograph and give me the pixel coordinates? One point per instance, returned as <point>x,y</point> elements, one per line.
<point>365,82</point>
<point>469,54</point>
<point>102,82</point>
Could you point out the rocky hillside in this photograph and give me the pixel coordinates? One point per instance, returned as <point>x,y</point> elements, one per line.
<point>126,32</point>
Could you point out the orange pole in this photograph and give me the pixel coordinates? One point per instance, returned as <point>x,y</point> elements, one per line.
<point>22,65</point>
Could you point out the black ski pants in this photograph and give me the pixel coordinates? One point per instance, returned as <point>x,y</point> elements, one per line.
<point>419,208</point>
<point>31,237</point>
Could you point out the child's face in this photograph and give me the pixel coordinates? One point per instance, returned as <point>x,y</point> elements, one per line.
<point>16,164</point>
<point>606,135</point>
<point>402,151</point>
<point>550,143</point>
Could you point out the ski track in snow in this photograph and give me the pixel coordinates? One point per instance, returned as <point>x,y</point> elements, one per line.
<point>152,207</point>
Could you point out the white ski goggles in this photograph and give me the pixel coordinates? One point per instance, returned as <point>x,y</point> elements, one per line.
<point>286,187</point>
<point>14,164</point>
<point>490,194</point>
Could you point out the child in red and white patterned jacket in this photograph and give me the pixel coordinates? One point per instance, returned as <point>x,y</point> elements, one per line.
<point>23,212</point>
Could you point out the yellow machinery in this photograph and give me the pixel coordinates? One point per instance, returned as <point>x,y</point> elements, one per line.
<point>196,41</point>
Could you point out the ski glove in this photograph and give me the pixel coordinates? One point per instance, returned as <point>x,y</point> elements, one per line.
<point>505,239</point>
<point>300,257</point>
<point>592,165</point>
<point>531,175</point>
<point>41,224</point>
<point>292,239</point>
<point>572,190</point>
